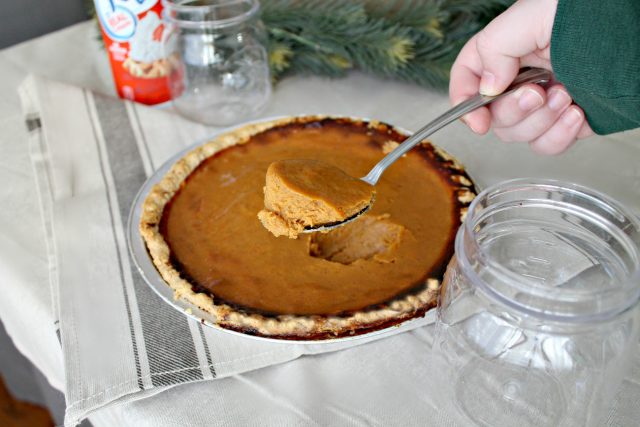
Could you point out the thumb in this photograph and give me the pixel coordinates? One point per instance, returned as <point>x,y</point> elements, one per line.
<point>519,31</point>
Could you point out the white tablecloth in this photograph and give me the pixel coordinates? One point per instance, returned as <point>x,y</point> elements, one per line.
<point>371,390</point>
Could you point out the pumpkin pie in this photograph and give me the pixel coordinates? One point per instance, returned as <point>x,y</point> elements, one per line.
<point>202,232</point>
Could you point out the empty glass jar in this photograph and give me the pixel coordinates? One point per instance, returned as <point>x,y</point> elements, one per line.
<point>538,319</point>
<point>218,47</point>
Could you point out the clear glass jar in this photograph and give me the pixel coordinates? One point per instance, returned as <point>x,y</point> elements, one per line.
<point>538,317</point>
<point>219,48</point>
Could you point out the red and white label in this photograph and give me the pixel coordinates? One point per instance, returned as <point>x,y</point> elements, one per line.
<point>134,36</point>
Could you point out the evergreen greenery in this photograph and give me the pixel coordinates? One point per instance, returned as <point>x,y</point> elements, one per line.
<point>411,40</point>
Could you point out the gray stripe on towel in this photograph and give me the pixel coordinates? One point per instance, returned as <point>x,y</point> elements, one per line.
<point>33,122</point>
<point>206,350</point>
<point>169,344</point>
<point>115,240</point>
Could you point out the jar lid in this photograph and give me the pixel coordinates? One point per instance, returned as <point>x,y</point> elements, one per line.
<point>209,14</point>
<point>554,250</point>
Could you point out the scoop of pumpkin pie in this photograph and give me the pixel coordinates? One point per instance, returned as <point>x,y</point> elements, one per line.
<point>303,193</point>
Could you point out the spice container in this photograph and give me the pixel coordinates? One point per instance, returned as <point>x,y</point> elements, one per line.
<point>538,318</point>
<point>135,41</point>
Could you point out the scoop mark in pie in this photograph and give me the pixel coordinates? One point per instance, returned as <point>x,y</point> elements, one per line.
<point>370,237</point>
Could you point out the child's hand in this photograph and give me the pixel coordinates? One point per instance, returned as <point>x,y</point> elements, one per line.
<point>489,62</point>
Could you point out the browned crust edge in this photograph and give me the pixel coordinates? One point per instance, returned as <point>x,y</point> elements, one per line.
<point>291,327</point>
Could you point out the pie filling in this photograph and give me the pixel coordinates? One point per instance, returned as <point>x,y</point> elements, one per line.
<point>302,193</point>
<point>218,244</point>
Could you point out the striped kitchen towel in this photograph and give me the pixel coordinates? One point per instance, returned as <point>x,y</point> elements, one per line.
<point>120,341</point>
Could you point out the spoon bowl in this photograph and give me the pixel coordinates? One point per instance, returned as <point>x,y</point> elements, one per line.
<point>330,226</point>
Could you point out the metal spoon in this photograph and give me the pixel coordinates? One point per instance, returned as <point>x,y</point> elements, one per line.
<point>531,75</point>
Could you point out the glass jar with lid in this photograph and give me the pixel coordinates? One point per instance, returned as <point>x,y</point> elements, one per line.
<point>538,319</point>
<point>219,48</point>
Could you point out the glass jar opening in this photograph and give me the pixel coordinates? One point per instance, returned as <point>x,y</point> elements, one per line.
<point>553,250</point>
<point>213,14</point>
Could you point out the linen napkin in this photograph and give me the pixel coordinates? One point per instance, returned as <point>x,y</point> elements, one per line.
<point>120,341</point>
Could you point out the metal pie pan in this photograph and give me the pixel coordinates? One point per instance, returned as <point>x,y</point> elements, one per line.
<point>152,277</point>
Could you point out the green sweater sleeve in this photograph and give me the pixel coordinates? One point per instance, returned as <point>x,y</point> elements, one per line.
<point>595,53</point>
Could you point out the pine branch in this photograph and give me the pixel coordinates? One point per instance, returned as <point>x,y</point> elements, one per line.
<point>412,40</point>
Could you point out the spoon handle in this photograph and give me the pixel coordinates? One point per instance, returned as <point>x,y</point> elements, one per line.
<point>532,75</point>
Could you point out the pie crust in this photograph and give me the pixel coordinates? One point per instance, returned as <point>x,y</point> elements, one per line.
<point>285,326</point>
